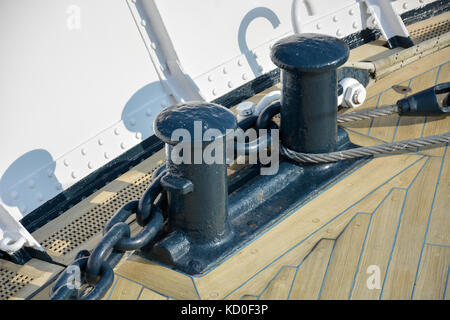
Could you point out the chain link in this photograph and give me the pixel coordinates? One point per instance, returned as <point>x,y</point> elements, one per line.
<point>91,275</point>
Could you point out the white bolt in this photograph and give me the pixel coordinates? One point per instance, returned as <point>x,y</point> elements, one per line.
<point>100,142</point>
<point>143,23</point>
<point>106,155</point>
<point>355,25</point>
<point>318,26</point>
<point>239,63</point>
<point>90,166</point>
<point>83,152</point>
<point>153,45</point>
<point>138,135</point>
<point>230,84</point>
<point>117,131</point>
<point>335,19</point>
<point>74,174</point>
<point>338,32</point>
<point>224,70</point>
<point>210,78</point>
<point>66,162</point>
<point>359,97</point>
<point>214,92</point>
<point>405,6</point>
<point>351,12</point>
<point>123,145</point>
<point>244,76</point>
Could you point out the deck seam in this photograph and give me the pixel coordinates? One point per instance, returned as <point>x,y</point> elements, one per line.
<point>398,228</point>
<point>428,221</point>
<point>328,222</point>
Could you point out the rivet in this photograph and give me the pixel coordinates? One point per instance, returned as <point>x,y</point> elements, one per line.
<point>161,67</point>
<point>421,1</point>
<point>90,166</point>
<point>116,131</point>
<point>106,155</point>
<point>335,19</point>
<point>143,23</point>
<point>338,32</point>
<point>132,122</point>
<point>351,12</point>
<point>50,173</point>
<point>224,70</point>
<point>31,184</point>
<point>100,142</point>
<point>230,84</point>
<point>405,6</point>
<point>23,208</point>
<point>374,22</point>
<point>214,92</point>
<point>138,135</point>
<point>123,145</point>
<point>355,25</point>
<point>58,186</point>
<point>148,112</point>
<point>261,69</point>
<point>153,45</point>
<point>239,63</point>
<point>244,76</point>
<point>318,26</point>
<point>83,152</point>
<point>254,251</point>
<point>39,197</point>
<point>210,78</point>
<point>214,294</point>
<point>255,55</point>
<point>315,220</point>
<point>74,175</point>
<point>66,162</point>
<point>14,195</point>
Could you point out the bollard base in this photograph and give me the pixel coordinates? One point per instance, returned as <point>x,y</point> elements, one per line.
<point>255,204</point>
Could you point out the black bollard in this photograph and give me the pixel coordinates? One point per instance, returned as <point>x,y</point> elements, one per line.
<point>197,191</point>
<point>308,65</point>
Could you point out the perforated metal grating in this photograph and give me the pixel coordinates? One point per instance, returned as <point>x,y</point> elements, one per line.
<point>11,283</point>
<point>431,31</point>
<point>89,224</point>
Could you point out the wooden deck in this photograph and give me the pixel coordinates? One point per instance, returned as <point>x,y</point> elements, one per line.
<point>380,232</point>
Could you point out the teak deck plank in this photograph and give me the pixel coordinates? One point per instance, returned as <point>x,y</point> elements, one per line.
<point>278,288</point>
<point>344,260</point>
<point>311,272</point>
<point>378,245</point>
<point>438,232</point>
<point>411,234</point>
<point>433,272</point>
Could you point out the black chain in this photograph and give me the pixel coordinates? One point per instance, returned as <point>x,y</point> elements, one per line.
<point>91,275</point>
